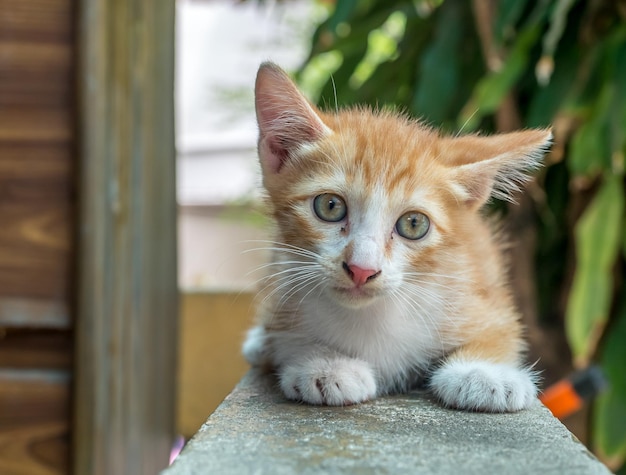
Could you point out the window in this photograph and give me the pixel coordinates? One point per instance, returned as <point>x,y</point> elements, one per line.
<point>219,48</point>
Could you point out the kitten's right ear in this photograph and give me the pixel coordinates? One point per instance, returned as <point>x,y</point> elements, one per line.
<point>496,165</point>
<point>287,121</point>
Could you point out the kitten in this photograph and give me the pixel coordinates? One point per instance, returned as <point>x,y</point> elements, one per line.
<point>385,273</point>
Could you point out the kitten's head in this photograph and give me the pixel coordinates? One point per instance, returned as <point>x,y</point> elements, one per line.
<point>372,201</point>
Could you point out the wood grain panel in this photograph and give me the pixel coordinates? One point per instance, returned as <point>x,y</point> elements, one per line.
<point>43,349</point>
<point>35,124</point>
<point>36,53</point>
<point>36,174</point>
<point>34,313</point>
<point>34,422</point>
<point>19,58</point>
<point>35,247</point>
<point>35,74</point>
<point>42,230</point>
<point>36,20</point>
<point>34,251</point>
<point>35,90</point>
<point>37,199</point>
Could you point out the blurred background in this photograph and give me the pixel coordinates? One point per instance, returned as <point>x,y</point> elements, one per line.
<point>129,196</point>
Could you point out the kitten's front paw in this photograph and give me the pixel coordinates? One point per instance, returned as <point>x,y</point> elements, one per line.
<point>255,347</point>
<point>484,386</point>
<point>335,382</point>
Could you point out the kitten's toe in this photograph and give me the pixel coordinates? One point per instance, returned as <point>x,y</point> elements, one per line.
<point>484,386</point>
<point>298,386</point>
<point>335,382</point>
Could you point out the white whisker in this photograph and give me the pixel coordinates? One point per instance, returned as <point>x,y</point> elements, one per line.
<point>434,274</point>
<point>294,277</point>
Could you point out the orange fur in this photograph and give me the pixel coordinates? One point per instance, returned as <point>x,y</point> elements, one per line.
<point>453,280</point>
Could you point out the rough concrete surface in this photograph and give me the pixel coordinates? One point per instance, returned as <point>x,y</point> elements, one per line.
<point>257,431</point>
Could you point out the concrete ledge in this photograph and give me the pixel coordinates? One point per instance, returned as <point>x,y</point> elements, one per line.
<point>256,431</point>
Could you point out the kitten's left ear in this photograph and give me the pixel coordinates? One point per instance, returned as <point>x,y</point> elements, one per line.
<point>287,121</point>
<point>497,165</point>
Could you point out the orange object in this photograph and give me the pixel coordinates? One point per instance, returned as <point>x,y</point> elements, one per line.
<point>568,395</point>
<point>561,398</point>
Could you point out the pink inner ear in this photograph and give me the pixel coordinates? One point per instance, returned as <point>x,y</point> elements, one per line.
<point>272,155</point>
<point>496,165</point>
<point>286,119</point>
<point>478,185</point>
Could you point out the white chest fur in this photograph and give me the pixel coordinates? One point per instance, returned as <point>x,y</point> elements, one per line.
<point>394,338</point>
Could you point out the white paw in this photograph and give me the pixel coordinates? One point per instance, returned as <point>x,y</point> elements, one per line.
<point>335,382</point>
<point>255,348</point>
<point>484,386</point>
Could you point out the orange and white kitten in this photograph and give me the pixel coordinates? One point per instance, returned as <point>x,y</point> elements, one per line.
<point>385,273</point>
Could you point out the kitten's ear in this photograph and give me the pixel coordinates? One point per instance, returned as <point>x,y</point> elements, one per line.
<point>496,165</point>
<point>287,121</point>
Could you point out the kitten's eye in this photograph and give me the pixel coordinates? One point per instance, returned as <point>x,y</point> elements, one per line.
<point>329,207</point>
<point>413,225</point>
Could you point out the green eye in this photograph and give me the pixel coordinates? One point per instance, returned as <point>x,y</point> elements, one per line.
<point>413,225</point>
<point>329,207</point>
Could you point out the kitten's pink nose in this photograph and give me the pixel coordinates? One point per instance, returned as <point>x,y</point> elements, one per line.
<point>359,275</point>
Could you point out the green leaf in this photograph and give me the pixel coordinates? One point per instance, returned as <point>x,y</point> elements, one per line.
<point>439,66</point>
<point>491,90</point>
<point>384,85</point>
<point>344,11</point>
<point>588,149</point>
<point>558,21</point>
<point>382,46</point>
<point>624,240</point>
<point>546,100</point>
<point>508,14</point>
<point>597,235</point>
<point>609,428</point>
<point>347,15</point>
<point>617,114</point>
<point>552,242</point>
<point>337,86</point>
<point>314,76</point>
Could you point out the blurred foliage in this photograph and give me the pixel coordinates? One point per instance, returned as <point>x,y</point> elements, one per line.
<point>501,64</point>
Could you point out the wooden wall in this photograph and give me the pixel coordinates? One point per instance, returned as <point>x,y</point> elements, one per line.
<point>127,305</point>
<point>88,295</point>
<point>37,205</point>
